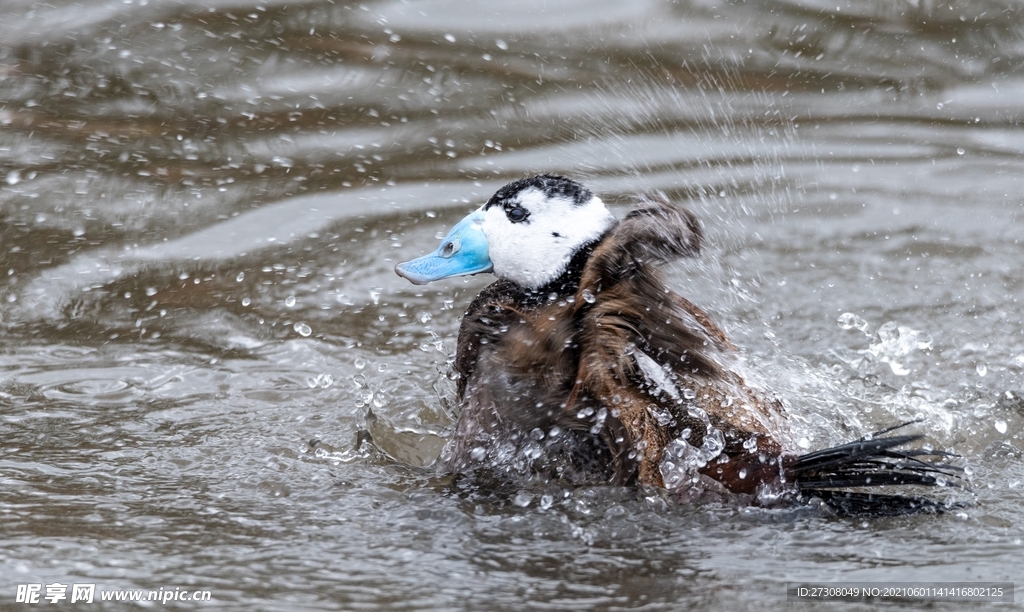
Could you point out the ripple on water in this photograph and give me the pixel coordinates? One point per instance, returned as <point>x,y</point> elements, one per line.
<point>90,385</point>
<point>101,390</point>
<point>116,385</point>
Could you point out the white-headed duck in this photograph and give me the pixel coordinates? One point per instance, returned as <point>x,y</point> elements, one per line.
<point>580,361</point>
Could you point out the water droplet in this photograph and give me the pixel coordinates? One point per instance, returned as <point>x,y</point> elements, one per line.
<point>848,320</point>
<point>689,394</point>
<point>588,296</point>
<point>150,291</point>
<point>240,277</point>
<point>303,329</point>
<point>450,38</point>
<point>477,453</point>
<point>898,369</point>
<point>960,151</point>
<point>501,44</point>
<point>743,473</point>
<point>522,499</point>
<point>375,294</point>
<point>546,501</point>
<point>382,367</point>
<point>982,369</point>
<point>246,301</point>
<point>1000,426</point>
<point>289,301</point>
<point>663,417</point>
<point>13,177</point>
<point>359,363</point>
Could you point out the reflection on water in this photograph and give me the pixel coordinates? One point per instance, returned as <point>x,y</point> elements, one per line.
<point>201,205</point>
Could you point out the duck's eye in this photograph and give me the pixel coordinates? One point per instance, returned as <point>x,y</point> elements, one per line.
<point>517,214</point>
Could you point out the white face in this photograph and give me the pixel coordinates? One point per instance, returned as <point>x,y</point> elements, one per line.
<point>535,251</point>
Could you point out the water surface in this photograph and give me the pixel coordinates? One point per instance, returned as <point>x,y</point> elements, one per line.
<point>201,204</point>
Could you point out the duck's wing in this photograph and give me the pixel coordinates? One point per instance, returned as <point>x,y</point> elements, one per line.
<point>627,302</point>
<point>625,310</point>
<point>627,317</point>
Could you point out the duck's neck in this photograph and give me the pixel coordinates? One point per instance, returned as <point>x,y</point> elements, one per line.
<point>564,285</point>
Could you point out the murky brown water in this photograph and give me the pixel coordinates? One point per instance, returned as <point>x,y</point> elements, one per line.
<point>201,205</point>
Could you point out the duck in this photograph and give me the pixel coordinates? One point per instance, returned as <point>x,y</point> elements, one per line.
<point>580,363</point>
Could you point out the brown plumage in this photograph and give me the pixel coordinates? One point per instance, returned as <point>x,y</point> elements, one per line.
<point>566,356</point>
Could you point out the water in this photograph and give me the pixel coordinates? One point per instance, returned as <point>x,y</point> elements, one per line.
<point>201,205</point>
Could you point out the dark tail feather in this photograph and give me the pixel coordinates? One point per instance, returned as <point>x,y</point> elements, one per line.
<point>852,503</point>
<point>872,461</point>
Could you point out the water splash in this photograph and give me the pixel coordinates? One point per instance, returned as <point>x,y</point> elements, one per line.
<point>848,320</point>
<point>895,343</point>
<point>892,345</point>
<point>320,381</point>
<point>681,461</point>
